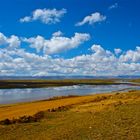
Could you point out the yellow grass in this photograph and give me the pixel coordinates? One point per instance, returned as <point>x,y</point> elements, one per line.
<point>16,110</point>
<point>103,117</point>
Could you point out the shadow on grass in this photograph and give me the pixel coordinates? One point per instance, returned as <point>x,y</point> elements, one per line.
<point>35,118</point>
<point>24,119</point>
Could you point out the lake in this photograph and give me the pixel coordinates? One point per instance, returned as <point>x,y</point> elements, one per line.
<point>8,96</point>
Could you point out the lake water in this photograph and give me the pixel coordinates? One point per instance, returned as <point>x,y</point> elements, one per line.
<point>8,96</point>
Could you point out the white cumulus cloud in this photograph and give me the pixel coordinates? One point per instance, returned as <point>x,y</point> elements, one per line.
<point>131,56</point>
<point>57,43</point>
<point>57,34</point>
<point>46,16</point>
<point>92,19</point>
<point>117,51</point>
<point>12,41</point>
<point>18,61</point>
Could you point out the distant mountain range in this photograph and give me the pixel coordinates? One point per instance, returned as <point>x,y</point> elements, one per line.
<point>68,77</point>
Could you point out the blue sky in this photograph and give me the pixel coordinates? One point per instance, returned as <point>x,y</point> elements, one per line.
<point>114,26</point>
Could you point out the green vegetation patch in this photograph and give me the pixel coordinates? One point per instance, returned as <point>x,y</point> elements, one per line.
<point>53,83</point>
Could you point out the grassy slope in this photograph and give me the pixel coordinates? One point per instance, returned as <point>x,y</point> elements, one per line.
<point>100,117</point>
<point>135,80</point>
<point>16,110</point>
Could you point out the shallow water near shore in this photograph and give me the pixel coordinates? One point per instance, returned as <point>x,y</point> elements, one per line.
<point>8,96</point>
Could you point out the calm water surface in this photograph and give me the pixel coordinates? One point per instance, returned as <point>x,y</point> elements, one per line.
<point>24,95</point>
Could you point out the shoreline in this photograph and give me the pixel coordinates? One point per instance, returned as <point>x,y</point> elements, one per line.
<point>66,96</point>
<point>114,115</point>
<point>29,108</point>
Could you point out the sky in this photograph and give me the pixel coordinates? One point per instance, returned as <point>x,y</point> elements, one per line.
<point>61,37</point>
